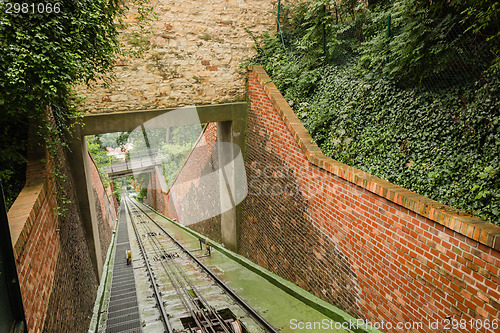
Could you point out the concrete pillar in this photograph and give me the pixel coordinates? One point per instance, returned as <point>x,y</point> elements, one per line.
<point>80,168</point>
<point>229,216</point>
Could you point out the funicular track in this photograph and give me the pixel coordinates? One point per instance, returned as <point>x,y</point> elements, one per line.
<point>202,316</point>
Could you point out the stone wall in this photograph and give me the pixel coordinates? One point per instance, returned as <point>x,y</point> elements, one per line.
<point>57,279</point>
<point>193,55</point>
<point>372,248</point>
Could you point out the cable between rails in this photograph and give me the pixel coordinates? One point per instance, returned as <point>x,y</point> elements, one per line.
<point>255,315</point>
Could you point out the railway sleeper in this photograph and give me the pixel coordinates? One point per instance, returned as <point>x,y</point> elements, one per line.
<point>227,316</point>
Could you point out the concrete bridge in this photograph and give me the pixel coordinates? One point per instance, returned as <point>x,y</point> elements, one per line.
<point>144,163</point>
<point>231,123</point>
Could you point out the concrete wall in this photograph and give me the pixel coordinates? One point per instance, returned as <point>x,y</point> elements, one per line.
<point>370,247</point>
<point>58,282</point>
<point>193,55</point>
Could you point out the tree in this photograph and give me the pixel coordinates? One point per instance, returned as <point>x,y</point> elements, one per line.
<point>43,53</point>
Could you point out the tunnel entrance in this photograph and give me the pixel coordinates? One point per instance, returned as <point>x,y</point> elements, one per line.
<point>230,138</point>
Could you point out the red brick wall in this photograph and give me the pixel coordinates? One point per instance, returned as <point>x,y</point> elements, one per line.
<point>180,200</point>
<point>58,283</point>
<point>37,247</point>
<point>106,200</point>
<point>370,247</point>
<point>105,208</point>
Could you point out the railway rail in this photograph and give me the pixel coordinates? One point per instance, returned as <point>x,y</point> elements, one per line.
<point>200,315</point>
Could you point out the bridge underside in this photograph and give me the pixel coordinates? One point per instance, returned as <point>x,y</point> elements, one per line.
<point>130,167</point>
<point>100,123</point>
<point>231,126</point>
<point>130,172</point>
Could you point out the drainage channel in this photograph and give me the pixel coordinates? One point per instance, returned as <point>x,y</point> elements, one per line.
<point>123,309</point>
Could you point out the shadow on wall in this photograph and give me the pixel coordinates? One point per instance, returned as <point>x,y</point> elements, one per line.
<point>75,285</point>
<point>210,227</point>
<point>411,258</point>
<point>186,200</point>
<point>56,274</point>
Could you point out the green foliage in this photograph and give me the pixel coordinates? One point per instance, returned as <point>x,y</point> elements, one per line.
<point>142,193</point>
<point>42,56</point>
<point>142,181</point>
<point>101,157</point>
<point>173,157</point>
<point>316,23</point>
<point>419,109</point>
<point>442,42</point>
<point>174,145</point>
<point>482,19</point>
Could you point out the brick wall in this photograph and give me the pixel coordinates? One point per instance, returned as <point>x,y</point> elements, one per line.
<point>58,283</point>
<point>370,247</point>
<point>182,200</point>
<point>35,242</point>
<point>106,208</point>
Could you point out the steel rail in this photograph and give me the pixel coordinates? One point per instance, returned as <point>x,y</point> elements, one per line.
<point>177,283</point>
<point>254,314</point>
<point>163,313</point>
<point>223,324</point>
<point>207,305</point>
<point>174,282</point>
<point>183,280</point>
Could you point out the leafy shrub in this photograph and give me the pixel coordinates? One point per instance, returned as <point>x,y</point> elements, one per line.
<point>42,56</point>
<point>419,126</point>
<point>437,43</point>
<point>173,157</point>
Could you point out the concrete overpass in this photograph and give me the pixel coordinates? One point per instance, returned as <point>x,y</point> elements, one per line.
<point>136,165</point>
<point>231,126</point>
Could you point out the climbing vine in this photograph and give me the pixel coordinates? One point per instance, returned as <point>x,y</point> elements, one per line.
<point>417,105</point>
<point>43,55</point>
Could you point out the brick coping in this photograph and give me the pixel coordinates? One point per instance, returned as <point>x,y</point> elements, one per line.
<point>474,228</point>
<point>23,212</point>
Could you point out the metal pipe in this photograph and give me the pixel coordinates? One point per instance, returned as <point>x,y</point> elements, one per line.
<point>278,19</point>
<point>278,25</point>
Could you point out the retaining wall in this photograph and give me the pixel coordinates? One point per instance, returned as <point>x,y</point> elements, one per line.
<point>106,208</point>
<point>372,248</point>
<point>57,279</point>
<point>191,55</point>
